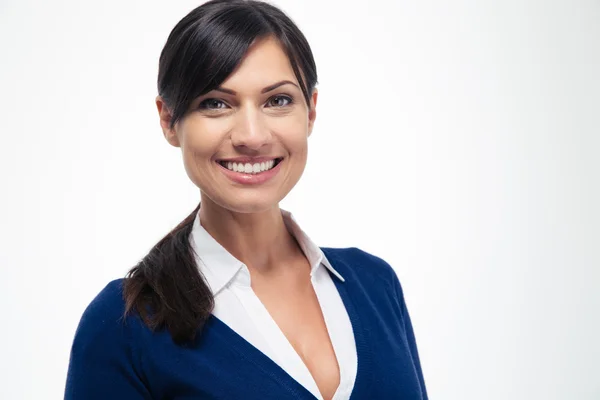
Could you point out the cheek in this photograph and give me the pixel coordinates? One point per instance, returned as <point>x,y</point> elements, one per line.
<point>201,137</point>
<point>292,131</point>
<point>199,143</point>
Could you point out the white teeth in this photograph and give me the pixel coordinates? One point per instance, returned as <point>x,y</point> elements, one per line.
<point>250,168</point>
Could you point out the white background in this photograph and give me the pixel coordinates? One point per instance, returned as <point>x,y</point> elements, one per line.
<point>457,140</point>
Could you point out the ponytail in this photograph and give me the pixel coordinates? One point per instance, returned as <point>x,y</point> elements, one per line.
<point>166,288</point>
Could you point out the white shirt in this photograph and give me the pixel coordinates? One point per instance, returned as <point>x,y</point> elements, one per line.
<point>237,305</point>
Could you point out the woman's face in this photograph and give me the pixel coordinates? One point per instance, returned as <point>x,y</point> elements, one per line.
<point>258,117</point>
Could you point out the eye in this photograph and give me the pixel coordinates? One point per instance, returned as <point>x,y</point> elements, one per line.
<point>280,101</point>
<point>212,104</point>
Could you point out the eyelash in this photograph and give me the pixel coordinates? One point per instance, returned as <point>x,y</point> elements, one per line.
<point>202,104</point>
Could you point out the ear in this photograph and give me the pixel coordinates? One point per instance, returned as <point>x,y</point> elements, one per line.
<point>165,122</point>
<point>312,113</point>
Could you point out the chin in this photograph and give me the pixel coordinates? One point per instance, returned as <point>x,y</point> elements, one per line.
<point>249,203</point>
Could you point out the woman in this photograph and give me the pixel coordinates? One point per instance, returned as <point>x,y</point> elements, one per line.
<point>237,302</point>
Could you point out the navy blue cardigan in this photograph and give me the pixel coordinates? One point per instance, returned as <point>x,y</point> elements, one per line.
<point>115,359</point>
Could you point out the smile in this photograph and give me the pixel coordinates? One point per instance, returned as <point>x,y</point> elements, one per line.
<point>251,168</point>
<point>251,173</point>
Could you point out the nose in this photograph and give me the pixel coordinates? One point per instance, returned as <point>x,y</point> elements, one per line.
<point>250,129</point>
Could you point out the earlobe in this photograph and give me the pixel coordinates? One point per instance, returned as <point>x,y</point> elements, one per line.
<point>165,122</point>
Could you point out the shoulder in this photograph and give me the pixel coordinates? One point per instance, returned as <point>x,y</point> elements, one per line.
<point>103,319</point>
<point>105,361</point>
<point>364,266</point>
<point>107,304</point>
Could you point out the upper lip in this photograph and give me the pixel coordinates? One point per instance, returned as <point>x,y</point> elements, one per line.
<point>251,160</point>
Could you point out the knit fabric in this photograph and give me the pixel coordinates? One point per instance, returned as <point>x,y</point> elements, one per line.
<point>120,358</point>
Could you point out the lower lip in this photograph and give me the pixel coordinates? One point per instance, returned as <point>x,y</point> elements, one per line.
<point>251,179</point>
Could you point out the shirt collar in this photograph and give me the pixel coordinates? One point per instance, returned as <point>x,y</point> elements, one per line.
<point>220,267</point>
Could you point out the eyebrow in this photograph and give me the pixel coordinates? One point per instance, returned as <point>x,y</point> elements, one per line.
<point>264,90</point>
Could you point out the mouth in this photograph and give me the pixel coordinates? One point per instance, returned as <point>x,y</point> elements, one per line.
<point>249,168</point>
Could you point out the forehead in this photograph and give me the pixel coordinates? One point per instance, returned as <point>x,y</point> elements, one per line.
<point>264,63</point>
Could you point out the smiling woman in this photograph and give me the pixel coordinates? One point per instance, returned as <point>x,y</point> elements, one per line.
<point>237,302</point>
<point>257,115</point>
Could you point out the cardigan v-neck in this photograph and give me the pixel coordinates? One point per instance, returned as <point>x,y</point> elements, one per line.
<point>240,308</point>
<point>248,352</point>
<point>117,359</point>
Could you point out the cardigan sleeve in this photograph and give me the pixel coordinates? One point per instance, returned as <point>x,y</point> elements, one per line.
<point>103,364</point>
<point>410,335</point>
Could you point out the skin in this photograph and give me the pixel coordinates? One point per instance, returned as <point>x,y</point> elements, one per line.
<point>246,220</point>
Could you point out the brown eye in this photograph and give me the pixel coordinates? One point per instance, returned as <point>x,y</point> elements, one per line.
<point>212,104</point>
<point>280,101</point>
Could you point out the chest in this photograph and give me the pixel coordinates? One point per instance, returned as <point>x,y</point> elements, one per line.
<point>295,308</point>
<point>222,364</point>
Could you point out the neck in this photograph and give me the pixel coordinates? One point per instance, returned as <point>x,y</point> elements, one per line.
<point>260,240</point>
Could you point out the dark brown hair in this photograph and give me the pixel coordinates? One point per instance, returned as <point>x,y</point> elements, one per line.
<point>165,287</point>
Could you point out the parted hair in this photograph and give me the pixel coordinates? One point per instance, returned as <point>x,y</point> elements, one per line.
<point>166,288</point>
